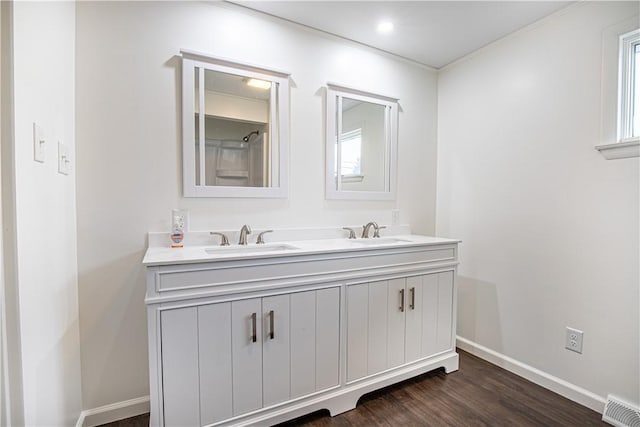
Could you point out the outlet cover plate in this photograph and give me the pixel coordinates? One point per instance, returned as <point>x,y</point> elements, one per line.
<point>395,216</point>
<point>182,216</point>
<point>573,340</point>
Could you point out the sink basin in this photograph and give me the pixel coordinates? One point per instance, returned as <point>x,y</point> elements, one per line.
<point>374,241</point>
<point>248,249</point>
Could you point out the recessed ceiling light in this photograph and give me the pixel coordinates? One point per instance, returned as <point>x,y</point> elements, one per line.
<point>260,84</point>
<point>385,27</point>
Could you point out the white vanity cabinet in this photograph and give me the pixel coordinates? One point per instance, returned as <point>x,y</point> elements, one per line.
<point>262,339</point>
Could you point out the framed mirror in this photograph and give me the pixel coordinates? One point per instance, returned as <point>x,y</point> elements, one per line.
<point>361,147</point>
<point>235,125</point>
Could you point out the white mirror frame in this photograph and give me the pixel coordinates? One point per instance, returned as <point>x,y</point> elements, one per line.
<point>278,124</point>
<point>333,185</point>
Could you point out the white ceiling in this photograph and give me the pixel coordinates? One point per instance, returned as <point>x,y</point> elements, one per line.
<point>433,33</point>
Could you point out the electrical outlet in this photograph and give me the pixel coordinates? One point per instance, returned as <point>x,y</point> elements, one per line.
<point>573,340</point>
<point>395,216</point>
<point>180,219</point>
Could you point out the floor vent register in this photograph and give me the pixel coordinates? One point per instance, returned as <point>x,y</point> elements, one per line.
<point>620,413</point>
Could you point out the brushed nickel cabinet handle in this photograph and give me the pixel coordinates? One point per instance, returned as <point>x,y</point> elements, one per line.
<point>402,300</point>
<point>254,335</point>
<point>271,324</point>
<point>412,306</point>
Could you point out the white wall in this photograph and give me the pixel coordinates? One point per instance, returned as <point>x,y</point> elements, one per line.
<point>129,154</point>
<point>549,228</point>
<point>45,212</point>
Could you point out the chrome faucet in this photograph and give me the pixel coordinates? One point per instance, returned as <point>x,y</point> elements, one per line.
<point>243,234</point>
<point>365,229</point>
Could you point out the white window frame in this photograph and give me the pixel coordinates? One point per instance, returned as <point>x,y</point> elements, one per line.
<point>617,91</point>
<point>627,86</point>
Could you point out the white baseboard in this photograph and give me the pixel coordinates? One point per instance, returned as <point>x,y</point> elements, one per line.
<point>543,379</point>
<point>113,412</point>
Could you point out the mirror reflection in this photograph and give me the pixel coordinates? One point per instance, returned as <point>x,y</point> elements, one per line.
<point>361,145</point>
<point>235,128</point>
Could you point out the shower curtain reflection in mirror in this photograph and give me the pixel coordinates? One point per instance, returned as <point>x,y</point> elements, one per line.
<point>235,129</point>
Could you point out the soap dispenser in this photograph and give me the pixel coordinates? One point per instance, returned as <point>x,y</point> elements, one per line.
<point>178,226</point>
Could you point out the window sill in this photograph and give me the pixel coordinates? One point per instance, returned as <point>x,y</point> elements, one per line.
<point>620,150</point>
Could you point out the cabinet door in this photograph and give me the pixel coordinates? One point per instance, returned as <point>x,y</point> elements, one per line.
<point>303,343</point>
<point>377,326</point>
<point>437,313</point>
<point>276,349</point>
<point>444,333</point>
<point>180,377</point>
<point>398,321</point>
<point>397,309</point>
<point>226,359</point>
<point>327,338</point>
<point>311,362</point>
<point>246,347</point>
<point>214,337</point>
<point>429,303</point>
<point>413,325</point>
<point>357,330</point>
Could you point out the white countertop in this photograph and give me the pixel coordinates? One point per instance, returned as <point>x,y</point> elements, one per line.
<point>193,253</point>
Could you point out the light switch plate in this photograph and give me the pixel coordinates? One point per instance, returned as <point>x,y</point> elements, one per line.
<point>39,144</point>
<point>64,162</point>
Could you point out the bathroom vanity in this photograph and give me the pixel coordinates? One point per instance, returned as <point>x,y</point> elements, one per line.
<point>259,334</point>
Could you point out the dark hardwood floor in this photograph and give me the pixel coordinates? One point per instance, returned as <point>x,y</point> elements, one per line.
<point>478,394</point>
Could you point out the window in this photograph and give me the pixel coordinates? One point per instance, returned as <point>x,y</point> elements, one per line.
<point>636,91</point>
<point>620,109</point>
<point>628,82</point>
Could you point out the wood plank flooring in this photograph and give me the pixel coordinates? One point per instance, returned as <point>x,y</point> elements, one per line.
<point>478,394</point>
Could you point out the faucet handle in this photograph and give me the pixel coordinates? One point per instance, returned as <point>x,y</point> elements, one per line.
<point>223,239</point>
<point>376,231</point>
<point>352,234</point>
<point>260,240</point>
